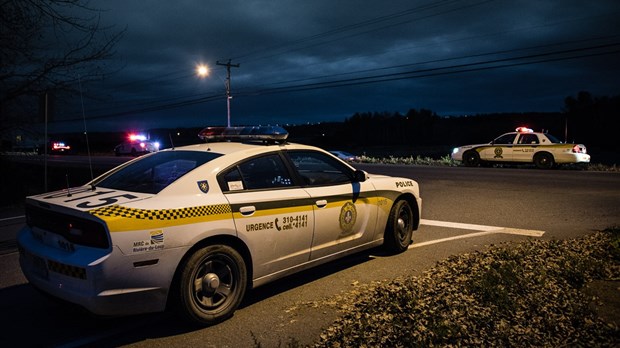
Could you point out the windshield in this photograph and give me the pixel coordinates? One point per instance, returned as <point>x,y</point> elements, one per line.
<point>151,174</point>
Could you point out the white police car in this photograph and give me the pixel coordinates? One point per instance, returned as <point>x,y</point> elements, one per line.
<point>136,145</point>
<point>522,146</point>
<point>191,228</point>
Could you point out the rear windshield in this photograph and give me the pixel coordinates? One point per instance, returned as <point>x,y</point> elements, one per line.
<point>153,173</point>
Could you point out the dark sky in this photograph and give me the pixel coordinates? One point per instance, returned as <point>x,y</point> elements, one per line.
<point>324,60</point>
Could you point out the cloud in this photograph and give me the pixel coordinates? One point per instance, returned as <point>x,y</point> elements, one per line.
<point>325,60</point>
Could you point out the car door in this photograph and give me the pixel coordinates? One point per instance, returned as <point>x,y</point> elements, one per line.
<point>272,215</point>
<point>345,213</point>
<point>526,145</point>
<point>500,150</point>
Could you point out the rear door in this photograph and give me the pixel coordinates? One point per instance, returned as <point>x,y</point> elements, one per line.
<point>526,145</point>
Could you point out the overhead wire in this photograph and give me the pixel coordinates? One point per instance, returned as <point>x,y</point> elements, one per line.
<point>293,86</point>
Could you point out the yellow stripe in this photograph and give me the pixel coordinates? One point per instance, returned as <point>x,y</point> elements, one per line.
<point>119,218</point>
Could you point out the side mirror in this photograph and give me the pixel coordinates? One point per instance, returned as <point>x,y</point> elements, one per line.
<point>360,176</point>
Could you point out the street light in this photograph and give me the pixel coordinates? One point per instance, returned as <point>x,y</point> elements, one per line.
<point>202,70</point>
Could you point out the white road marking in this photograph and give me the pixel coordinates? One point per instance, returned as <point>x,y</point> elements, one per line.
<point>482,231</point>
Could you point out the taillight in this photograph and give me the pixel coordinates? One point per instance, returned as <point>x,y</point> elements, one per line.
<point>579,149</point>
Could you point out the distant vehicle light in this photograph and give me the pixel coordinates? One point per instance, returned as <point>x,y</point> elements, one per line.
<point>134,137</point>
<point>269,133</point>
<point>524,130</point>
<point>60,146</point>
<point>156,144</point>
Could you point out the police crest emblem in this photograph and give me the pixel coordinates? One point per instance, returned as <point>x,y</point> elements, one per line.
<point>203,186</point>
<point>348,215</point>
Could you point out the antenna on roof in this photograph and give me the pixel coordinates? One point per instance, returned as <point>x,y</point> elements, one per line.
<point>90,162</point>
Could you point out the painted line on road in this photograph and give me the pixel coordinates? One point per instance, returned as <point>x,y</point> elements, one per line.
<point>483,231</point>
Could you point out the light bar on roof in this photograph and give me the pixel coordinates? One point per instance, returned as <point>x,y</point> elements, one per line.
<point>267,133</point>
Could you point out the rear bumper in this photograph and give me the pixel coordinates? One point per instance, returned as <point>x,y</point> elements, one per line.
<point>105,282</point>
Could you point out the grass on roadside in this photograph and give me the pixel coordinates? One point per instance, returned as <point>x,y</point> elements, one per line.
<point>449,162</point>
<point>531,294</point>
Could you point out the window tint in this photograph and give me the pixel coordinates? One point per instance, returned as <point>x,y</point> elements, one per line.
<point>528,139</point>
<point>318,169</point>
<point>151,174</point>
<point>553,139</point>
<point>505,139</point>
<point>258,173</point>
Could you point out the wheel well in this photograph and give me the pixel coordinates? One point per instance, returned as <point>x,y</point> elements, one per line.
<point>540,153</point>
<point>228,240</point>
<point>414,207</point>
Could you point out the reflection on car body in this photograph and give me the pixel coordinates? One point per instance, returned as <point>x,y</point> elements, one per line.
<point>523,146</point>
<point>345,156</point>
<point>192,228</point>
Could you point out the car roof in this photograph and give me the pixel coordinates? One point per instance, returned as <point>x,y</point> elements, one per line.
<point>226,148</point>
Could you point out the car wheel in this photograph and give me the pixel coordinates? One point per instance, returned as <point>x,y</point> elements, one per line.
<point>471,158</point>
<point>399,227</point>
<point>211,284</point>
<point>544,160</point>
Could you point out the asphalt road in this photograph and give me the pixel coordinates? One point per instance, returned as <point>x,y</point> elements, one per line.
<point>464,209</point>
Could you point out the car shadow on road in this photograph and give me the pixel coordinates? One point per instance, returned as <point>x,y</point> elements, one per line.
<point>32,319</point>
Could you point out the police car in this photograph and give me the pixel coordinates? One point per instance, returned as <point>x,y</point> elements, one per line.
<point>136,145</point>
<point>192,228</point>
<point>523,146</point>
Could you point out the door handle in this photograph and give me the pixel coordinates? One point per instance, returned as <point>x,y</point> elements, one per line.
<point>247,210</point>
<point>321,203</point>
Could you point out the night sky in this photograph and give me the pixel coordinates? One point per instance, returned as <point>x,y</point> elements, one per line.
<point>306,61</point>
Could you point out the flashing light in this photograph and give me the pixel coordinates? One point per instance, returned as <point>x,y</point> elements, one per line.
<point>60,146</point>
<point>267,133</point>
<point>524,130</point>
<point>134,137</point>
<point>156,144</point>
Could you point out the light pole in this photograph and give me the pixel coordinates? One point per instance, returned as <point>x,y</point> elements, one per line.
<point>203,71</point>
<point>228,96</point>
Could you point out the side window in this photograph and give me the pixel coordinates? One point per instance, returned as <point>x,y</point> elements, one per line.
<point>257,173</point>
<point>316,168</point>
<point>528,139</point>
<point>505,139</point>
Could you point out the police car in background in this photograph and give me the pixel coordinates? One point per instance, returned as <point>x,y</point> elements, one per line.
<point>191,228</point>
<point>136,145</point>
<point>523,146</point>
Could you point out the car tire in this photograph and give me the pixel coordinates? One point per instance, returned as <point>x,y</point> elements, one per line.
<point>544,160</point>
<point>399,228</point>
<point>471,158</point>
<point>211,285</point>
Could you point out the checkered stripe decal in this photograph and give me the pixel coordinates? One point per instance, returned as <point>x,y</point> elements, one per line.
<point>162,214</point>
<point>71,271</point>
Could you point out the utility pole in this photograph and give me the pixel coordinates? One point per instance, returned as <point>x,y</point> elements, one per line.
<point>228,96</point>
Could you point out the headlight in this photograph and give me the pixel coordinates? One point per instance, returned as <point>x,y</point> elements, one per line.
<point>455,150</point>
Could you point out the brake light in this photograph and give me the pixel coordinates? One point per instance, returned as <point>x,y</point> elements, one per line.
<point>579,149</point>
